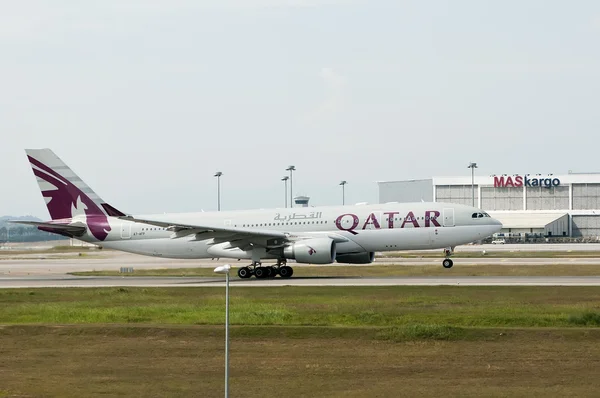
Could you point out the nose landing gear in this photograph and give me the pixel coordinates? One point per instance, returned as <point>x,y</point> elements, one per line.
<point>448,263</point>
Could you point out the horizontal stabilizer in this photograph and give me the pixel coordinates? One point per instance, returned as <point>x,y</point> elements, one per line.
<point>69,229</point>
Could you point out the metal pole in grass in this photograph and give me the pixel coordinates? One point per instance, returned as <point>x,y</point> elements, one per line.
<point>224,269</point>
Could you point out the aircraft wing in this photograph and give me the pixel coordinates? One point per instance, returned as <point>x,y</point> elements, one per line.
<point>237,237</point>
<point>72,229</point>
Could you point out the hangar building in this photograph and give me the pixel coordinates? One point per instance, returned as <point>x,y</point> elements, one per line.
<point>528,205</point>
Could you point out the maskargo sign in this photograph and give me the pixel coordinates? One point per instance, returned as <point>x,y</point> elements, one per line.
<point>520,181</point>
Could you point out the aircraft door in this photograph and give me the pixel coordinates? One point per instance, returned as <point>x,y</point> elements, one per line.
<point>125,230</point>
<point>448,217</point>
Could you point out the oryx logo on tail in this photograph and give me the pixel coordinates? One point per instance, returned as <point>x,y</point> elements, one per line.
<point>64,198</point>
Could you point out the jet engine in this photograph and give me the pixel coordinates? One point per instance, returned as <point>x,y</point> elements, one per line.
<point>356,258</point>
<point>311,251</point>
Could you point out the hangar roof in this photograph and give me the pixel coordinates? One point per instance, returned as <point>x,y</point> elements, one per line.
<point>525,220</point>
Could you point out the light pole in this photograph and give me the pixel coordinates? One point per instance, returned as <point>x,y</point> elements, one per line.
<point>284,179</point>
<point>343,184</point>
<point>291,169</point>
<point>472,166</point>
<point>224,269</point>
<point>218,174</point>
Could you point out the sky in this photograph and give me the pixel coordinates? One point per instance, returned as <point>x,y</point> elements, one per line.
<point>146,100</point>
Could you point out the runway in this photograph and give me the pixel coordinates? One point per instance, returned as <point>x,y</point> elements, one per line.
<point>51,270</point>
<point>61,264</point>
<point>117,281</point>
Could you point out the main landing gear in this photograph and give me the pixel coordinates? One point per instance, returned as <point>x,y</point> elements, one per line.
<point>448,263</point>
<point>269,271</point>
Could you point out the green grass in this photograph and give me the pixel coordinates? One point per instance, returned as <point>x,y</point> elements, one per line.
<point>301,341</point>
<point>417,332</point>
<point>586,319</point>
<point>391,306</point>
<point>278,361</point>
<point>558,269</point>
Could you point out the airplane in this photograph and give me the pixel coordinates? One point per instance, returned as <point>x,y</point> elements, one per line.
<point>348,234</point>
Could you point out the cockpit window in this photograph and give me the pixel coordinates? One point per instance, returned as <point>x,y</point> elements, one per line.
<point>479,215</point>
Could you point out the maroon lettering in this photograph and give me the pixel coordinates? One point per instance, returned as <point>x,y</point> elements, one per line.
<point>432,218</point>
<point>410,218</point>
<point>372,220</point>
<point>518,181</point>
<point>340,226</point>
<point>501,182</point>
<point>391,215</point>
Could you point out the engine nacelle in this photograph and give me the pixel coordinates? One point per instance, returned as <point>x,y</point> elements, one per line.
<point>356,258</point>
<point>311,251</point>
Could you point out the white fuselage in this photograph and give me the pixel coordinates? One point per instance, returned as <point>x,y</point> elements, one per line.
<point>361,228</point>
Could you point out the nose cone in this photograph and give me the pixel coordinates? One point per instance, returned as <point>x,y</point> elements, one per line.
<point>497,224</point>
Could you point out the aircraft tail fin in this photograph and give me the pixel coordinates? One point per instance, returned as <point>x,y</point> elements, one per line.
<point>66,194</point>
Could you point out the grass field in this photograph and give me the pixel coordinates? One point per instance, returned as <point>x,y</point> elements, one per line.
<point>301,341</point>
<point>558,269</point>
<point>86,361</point>
<point>309,306</point>
<point>521,306</point>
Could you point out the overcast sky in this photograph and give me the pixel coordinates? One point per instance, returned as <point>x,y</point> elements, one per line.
<point>145,100</point>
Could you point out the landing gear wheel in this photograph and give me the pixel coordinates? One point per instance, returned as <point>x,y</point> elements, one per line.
<point>244,273</point>
<point>286,271</point>
<point>260,272</point>
<point>274,272</point>
<point>269,272</point>
<point>447,263</point>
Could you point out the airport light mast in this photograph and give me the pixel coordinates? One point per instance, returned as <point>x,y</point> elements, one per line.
<point>343,184</point>
<point>218,174</point>
<point>285,179</point>
<point>472,166</point>
<point>291,169</point>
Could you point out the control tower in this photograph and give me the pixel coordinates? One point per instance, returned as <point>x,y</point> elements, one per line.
<point>301,201</point>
